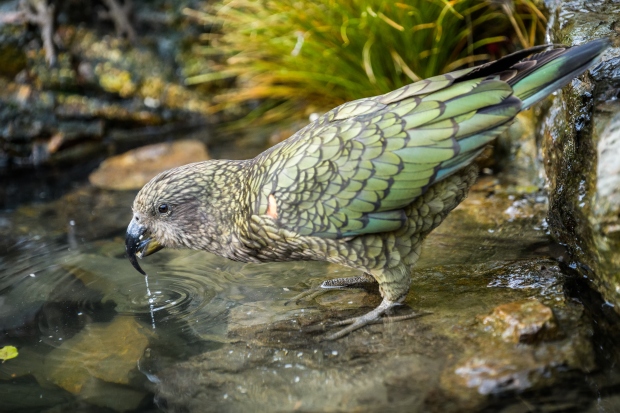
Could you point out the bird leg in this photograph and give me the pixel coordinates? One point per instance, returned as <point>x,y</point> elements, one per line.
<point>394,285</point>
<point>360,281</point>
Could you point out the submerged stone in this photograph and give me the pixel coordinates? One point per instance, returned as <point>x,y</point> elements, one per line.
<point>105,351</point>
<point>133,169</point>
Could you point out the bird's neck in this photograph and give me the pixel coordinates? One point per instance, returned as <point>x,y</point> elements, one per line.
<point>224,205</point>
<point>224,186</point>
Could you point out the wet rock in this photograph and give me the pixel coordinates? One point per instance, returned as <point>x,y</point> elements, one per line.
<point>498,220</point>
<point>135,168</point>
<point>44,128</point>
<point>581,150</point>
<point>414,365</point>
<point>269,323</point>
<point>498,369</point>
<point>516,153</point>
<point>522,322</point>
<point>263,314</point>
<point>131,113</point>
<point>312,380</point>
<point>608,171</point>
<point>102,354</point>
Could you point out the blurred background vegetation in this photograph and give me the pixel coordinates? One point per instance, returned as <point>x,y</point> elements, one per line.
<point>86,80</point>
<point>284,59</point>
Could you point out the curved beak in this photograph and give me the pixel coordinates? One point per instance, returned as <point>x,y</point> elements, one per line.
<point>139,244</point>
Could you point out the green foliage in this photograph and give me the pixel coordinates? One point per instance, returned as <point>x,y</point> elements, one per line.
<point>297,57</point>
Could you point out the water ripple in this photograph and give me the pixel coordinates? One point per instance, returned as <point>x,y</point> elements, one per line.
<point>178,295</point>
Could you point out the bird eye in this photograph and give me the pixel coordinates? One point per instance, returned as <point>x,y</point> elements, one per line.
<point>163,209</point>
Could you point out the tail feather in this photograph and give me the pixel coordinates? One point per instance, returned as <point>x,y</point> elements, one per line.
<point>553,70</point>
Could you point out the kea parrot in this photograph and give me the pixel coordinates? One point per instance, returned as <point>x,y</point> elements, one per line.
<point>362,185</point>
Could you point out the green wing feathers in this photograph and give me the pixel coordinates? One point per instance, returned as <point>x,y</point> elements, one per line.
<point>354,170</point>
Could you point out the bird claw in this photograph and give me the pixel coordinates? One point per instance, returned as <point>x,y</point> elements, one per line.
<point>307,295</point>
<point>373,317</point>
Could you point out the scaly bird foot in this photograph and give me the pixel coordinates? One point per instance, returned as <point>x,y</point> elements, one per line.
<point>361,281</point>
<point>373,317</point>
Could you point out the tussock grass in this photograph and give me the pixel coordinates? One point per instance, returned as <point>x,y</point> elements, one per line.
<point>292,58</point>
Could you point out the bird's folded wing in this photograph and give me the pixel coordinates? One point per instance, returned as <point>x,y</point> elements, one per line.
<point>354,170</point>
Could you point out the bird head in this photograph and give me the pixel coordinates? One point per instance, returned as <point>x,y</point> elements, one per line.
<point>164,212</point>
